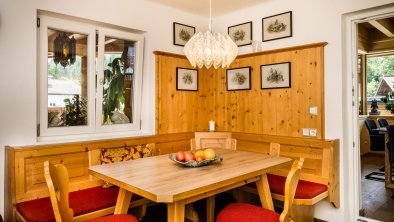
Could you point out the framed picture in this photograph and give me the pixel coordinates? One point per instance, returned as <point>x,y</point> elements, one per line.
<point>241,34</point>
<point>277,26</point>
<point>238,78</point>
<point>274,76</point>
<point>182,33</point>
<point>186,79</point>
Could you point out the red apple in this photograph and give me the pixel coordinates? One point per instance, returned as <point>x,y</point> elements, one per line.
<point>180,156</point>
<point>189,156</point>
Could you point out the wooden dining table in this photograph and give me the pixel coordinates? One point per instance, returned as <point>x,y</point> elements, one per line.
<point>164,181</point>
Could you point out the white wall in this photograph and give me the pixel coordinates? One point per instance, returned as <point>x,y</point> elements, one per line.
<point>18,56</point>
<point>313,21</point>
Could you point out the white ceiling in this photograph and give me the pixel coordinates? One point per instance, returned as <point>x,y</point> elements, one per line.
<point>201,7</point>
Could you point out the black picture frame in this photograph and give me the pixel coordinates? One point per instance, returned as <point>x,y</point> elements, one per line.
<point>186,79</point>
<point>235,32</point>
<point>239,78</point>
<point>275,76</point>
<point>182,33</point>
<point>277,26</point>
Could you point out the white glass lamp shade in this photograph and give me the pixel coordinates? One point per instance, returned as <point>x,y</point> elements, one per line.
<point>207,49</point>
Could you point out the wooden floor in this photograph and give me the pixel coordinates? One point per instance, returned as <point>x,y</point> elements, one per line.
<point>376,199</point>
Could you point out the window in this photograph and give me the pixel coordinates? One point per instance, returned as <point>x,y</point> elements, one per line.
<point>380,78</point>
<point>89,79</point>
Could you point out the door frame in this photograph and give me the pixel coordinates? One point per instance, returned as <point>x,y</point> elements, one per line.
<point>351,138</point>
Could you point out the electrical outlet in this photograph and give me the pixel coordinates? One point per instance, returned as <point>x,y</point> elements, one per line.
<point>305,131</point>
<point>313,132</point>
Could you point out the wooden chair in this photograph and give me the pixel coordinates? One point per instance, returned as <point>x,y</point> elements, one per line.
<point>57,179</point>
<point>243,212</point>
<point>204,140</point>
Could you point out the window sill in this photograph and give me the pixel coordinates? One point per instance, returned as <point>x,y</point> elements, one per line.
<point>89,137</point>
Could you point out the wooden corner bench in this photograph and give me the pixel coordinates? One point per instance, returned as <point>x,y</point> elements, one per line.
<point>319,178</point>
<point>88,197</point>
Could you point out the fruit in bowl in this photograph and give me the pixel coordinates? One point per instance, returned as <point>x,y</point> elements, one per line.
<point>199,153</point>
<point>200,158</point>
<point>180,156</point>
<point>209,154</point>
<point>189,156</point>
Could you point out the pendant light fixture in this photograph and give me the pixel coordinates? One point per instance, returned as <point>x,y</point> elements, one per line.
<point>207,49</point>
<point>65,50</point>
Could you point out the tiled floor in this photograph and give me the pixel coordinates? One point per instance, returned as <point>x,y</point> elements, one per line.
<point>376,199</point>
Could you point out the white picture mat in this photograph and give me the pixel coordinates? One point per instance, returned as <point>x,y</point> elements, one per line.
<point>178,28</point>
<point>181,84</point>
<point>283,68</point>
<point>247,28</point>
<point>231,85</point>
<point>284,18</point>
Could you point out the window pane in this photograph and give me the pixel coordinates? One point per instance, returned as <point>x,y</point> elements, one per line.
<point>380,80</point>
<point>67,79</point>
<point>118,81</point>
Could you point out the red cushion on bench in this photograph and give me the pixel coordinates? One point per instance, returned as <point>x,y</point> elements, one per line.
<point>305,189</point>
<point>81,201</point>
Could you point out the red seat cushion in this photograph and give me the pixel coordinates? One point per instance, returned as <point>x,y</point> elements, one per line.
<point>305,189</point>
<point>243,212</point>
<point>81,201</point>
<point>116,218</point>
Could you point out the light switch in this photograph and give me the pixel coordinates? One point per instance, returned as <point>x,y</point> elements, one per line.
<point>313,110</point>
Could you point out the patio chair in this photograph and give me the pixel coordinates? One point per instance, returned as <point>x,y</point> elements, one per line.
<point>382,122</point>
<point>377,139</point>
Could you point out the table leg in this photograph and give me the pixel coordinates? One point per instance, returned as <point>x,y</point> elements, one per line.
<point>264,192</point>
<point>210,208</point>
<point>176,211</point>
<point>123,201</point>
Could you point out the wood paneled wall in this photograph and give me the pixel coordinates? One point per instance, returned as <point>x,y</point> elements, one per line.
<point>282,112</point>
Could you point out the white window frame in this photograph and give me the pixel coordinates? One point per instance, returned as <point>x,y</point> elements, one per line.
<point>137,81</point>
<point>94,128</point>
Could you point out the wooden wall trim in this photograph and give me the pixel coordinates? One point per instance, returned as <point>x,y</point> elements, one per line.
<point>292,48</point>
<point>164,138</point>
<point>169,54</point>
<point>298,47</point>
<point>296,141</point>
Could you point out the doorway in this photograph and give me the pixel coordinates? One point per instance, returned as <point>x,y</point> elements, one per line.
<point>365,195</point>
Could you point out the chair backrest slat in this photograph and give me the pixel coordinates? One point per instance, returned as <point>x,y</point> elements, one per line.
<point>56,177</point>
<point>213,140</point>
<point>290,188</point>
